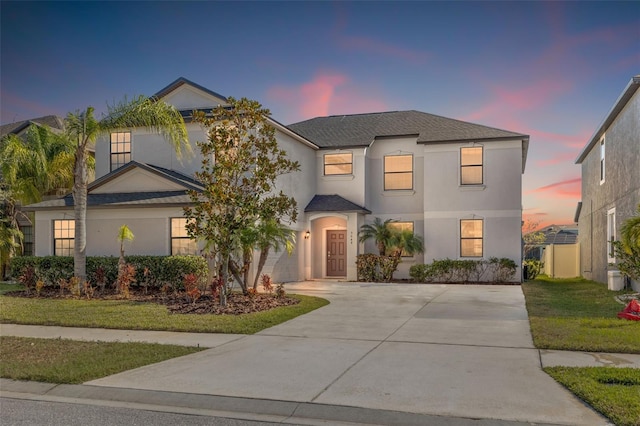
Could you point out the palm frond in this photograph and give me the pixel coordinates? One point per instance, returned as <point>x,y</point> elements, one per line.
<point>157,117</point>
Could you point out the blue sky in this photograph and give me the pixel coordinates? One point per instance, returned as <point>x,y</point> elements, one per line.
<point>548,69</point>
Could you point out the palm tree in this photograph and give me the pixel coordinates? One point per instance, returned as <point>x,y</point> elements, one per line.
<point>405,242</point>
<point>124,234</point>
<point>630,233</point>
<point>38,165</point>
<point>83,128</point>
<point>272,234</point>
<point>379,231</point>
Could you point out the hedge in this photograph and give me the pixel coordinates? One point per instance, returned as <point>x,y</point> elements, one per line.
<point>465,271</point>
<point>151,271</point>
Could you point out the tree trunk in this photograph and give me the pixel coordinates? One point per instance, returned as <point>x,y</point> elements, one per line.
<point>224,277</point>
<point>80,213</point>
<point>235,271</point>
<point>264,254</point>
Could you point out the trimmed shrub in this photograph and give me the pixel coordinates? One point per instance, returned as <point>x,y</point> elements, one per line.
<point>503,269</point>
<point>466,270</point>
<point>160,270</point>
<point>420,273</point>
<point>534,266</point>
<point>368,267</point>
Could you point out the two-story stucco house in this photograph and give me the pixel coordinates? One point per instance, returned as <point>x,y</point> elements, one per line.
<point>456,184</point>
<point>610,182</point>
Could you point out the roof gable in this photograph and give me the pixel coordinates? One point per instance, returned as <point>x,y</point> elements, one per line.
<point>52,121</point>
<point>184,94</point>
<point>140,177</point>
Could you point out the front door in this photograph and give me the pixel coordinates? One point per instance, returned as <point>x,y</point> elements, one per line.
<point>336,253</point>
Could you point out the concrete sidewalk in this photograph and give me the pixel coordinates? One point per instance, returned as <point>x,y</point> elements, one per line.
<point>444,352</point>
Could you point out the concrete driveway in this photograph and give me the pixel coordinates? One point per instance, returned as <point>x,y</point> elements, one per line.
<point>447,350</point>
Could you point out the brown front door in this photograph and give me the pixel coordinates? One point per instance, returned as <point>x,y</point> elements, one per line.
<point>336,253</point>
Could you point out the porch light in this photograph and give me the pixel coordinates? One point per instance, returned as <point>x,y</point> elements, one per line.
<point>307,235</point>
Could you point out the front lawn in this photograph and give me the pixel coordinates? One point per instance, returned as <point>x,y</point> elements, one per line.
<point>614,392</point>
<point>68,361</point>
<point>577,314</point>
<point>130,315</point>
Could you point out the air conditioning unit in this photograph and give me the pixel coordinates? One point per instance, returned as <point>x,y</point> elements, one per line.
<point>615,280</point>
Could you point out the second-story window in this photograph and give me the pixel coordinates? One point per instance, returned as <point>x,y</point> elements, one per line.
<point>602,161</point>
<point>471,166</point>
<point>120,149</point>
<point>338,164</point>
<point>398,172</point>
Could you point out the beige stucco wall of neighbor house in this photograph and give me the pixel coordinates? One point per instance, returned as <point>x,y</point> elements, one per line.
<point>497,201</point>
<point>151,228</point>
<point>620,189</point>
<point>562,260</point>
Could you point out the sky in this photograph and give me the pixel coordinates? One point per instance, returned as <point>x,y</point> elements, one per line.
<point>551,70</point>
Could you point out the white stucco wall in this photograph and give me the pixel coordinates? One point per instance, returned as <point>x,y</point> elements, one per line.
<point>351,187</point>
<point>152,148</point>
<point>151,227</point>
<point>497,201</point>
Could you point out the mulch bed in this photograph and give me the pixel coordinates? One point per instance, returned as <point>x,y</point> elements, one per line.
<point>178,303</point>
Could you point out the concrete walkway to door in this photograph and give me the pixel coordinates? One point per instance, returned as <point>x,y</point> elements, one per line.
<point>445,350</point>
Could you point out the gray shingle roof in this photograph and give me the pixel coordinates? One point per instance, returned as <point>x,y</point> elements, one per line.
<point>117,200</point>
<point>340,131</point>
<point>52,121</point>
<point>333,203</point>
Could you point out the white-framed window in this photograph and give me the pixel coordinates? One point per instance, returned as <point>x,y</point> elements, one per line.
<point>64,235</point>
<point>27,240</point>
<point>471,237</point>
<point>471,165</point>
<point>402,226</point>
<point>181,243</point>
<point>120,149</point>
<point>602,161</point>
<point>338,164</point>
<point>398,172</point>
<point>611,234</point>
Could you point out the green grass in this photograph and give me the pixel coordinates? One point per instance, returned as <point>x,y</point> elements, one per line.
<point>6,286</point>
<point>120,314</point>
<point>614,392</point>
<point>68,361</point>
<point>577,314</point>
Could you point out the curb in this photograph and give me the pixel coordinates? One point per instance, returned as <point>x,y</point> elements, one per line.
<point>286,412</point>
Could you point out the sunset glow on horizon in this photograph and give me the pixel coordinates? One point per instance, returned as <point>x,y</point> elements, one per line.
<point>551,70</point>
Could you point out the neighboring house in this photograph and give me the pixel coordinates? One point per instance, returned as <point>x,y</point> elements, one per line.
<point>456,184</point>
<point>19,128</point>
<point>553,234</point>
<point>610,182</point>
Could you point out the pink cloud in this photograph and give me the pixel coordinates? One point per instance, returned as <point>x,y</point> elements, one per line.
<point>570,188</point>
<point>557,158</point>
<point>328,93</point>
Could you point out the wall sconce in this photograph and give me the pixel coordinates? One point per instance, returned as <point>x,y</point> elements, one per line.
<point>307,235</point>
